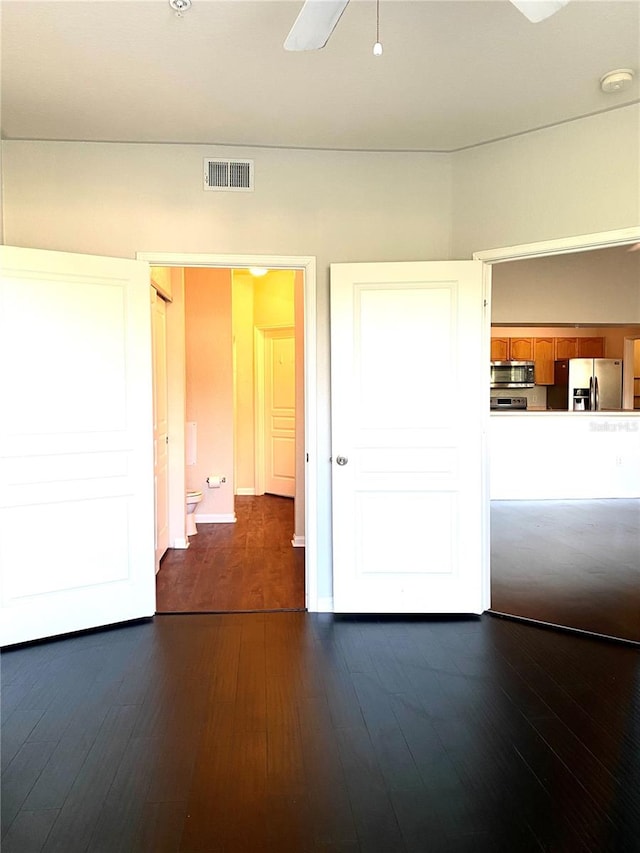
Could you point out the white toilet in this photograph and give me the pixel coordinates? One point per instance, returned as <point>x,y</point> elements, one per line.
<point>193,499</point>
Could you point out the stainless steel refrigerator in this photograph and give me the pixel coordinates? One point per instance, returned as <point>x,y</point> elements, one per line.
<point>586,385</point>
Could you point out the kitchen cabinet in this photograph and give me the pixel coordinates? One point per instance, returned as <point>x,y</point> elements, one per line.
<point>543,356</point>
<point>566,348</point>
<point>521,349</point>
<point>591,347</point>
<point>544,351</point>
<point>499,349</point>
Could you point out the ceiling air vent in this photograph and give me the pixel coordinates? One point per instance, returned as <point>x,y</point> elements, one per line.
<point>228,175</point>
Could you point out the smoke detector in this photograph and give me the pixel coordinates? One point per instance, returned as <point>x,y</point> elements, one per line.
<point>616,81</point>
<point>180,6</point>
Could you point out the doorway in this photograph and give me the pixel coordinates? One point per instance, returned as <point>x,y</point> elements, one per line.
<point>306,458</point>
<point>569,560</point>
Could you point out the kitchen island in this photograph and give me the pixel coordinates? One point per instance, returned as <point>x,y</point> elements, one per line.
<point>538,455</point>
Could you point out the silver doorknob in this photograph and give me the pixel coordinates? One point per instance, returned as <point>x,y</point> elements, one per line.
<point>342,460</point>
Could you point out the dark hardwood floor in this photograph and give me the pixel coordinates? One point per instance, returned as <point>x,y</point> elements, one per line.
<point>246,566</point>
<point>574,563</point>
<point>311,732</point>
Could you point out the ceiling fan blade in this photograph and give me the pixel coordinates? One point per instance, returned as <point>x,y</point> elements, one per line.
<point>314,24</point>
<point>538,10</point>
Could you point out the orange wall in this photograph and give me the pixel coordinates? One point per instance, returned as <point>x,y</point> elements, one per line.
<point>210,384</point>
<point>222,308</point>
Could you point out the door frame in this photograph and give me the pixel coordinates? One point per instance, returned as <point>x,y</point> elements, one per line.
<point>541,249</point>
<point>260,334</point>
<point>307,264</point>
<point>628,377</point>
<point>561,246</point>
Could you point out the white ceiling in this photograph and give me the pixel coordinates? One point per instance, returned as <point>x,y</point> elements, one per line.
<point>455,73</point>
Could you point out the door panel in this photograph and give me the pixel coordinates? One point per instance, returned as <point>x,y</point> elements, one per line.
<point>409,407</point>
<point>76,467</point>
<point>280,412</point>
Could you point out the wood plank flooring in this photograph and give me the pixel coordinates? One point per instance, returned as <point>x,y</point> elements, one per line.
<point>572,563</point>
<point>312,732</point>
<point>249,565</point>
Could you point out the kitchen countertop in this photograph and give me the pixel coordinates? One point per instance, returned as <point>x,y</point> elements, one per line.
<point>560,455</point>
<point>613,413</point>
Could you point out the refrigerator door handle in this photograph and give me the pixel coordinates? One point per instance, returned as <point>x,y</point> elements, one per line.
<point>592,398</point>
<point>596,394</point>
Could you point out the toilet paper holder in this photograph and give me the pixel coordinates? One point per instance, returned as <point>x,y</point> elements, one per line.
<point>214,481</point>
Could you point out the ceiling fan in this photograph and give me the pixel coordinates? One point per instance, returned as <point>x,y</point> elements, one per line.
<point>318,19</point>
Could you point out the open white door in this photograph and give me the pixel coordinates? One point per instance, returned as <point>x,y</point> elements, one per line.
<point>76,459</point>
<point>160,423</point>
<point>409,388</point>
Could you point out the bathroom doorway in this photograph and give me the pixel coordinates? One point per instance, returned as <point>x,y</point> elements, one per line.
<point>278,525</point>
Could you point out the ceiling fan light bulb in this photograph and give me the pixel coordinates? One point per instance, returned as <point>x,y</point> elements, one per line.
<point>377,49</point>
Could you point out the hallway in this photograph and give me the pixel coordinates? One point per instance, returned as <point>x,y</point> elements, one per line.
<point>247,566</point>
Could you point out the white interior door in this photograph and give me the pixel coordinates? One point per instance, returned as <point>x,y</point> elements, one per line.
<point>76,454</point>
<point>280,411</point>
<point>160,423</point>
<point>409,399</point>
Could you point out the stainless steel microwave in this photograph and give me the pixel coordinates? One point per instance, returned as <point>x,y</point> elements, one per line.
<point>512,374</point>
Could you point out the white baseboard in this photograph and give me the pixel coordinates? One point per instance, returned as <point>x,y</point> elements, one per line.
<point>298,541</point>
<point>216,518</point>
<point>180,543</point>
<point>245,491</point>
<point>325,604</point>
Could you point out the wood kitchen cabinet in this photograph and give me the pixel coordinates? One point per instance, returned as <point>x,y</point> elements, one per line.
<point>590,347</point>
<point>543,356</point>
<point>499,349</point>
<point>521,349</point>
<point>579,347</point>
<point>544,351</point>
<point>566,348</point>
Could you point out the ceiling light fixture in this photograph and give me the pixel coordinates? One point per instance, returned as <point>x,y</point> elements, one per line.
<point>616,81</point>
<point>377,48</point>
<point>180,6</point>
<point>258,272</point>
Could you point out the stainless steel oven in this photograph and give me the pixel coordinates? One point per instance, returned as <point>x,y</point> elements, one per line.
<point>512,374</point>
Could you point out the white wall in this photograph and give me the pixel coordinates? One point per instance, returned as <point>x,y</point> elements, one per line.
<point>118,199</point>
<point>601,286</point>
<point>577,178</point>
